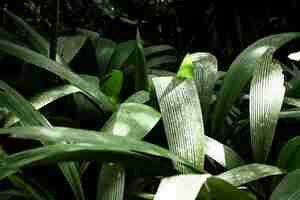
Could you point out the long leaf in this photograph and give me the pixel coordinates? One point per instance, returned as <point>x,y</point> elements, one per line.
<point>181,113</point>
<point>248,173</point>
<point>141,79</point>
<point>205,72</point>
<point>240,72</point>
<point>44,98</point>
<point>157,49</point>
<point>266,98</point>
<point>288,188</point>
<point>43,62</point>
<point>36,40</point>
<point>105,49</point>
<point>132,120</point>
<point>31,117</point>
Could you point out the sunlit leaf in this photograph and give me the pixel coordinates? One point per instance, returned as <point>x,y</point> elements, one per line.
<point>248,173</point>
<point>186,69</point>
<point>182,118</point>
<point>240,72</point>
<point>222,154</point>
<point>180,187</point>
<point>132,120</point>
<point>265,101</point>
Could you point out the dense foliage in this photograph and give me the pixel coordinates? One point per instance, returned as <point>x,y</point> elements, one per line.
<point>135,120</point>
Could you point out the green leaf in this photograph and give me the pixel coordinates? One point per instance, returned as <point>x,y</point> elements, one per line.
<point>16,103</point>
<point>157,61</point>
<point>138,97</point>
<point>111,182</point>
<point>182,118</point>
<point>122,53</point>
<point>265,101</point>
<point>69,46</point>
<point>288,188</point>
<point>92,35</point>
<point>91,143</point>
<point>35,39</point>
<point>132,120</point>
<point>219,189</point>
<point>222,154</point>
<point>181,187</point>
<point>288,157</point>
<point>248,173</point>
<point>43,62</point>
<point>112,85</point>
<point>12,193</point>
<point>205,69</point>
<point>44,98</point>
<point>141,79</point>
<point>157,49</point>
<point>31,117</point>
<point>240,72</point>
<point>186,69</point>
<point>30,190</point>
<point>105,49</point>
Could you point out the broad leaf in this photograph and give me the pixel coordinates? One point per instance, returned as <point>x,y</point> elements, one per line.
<point>288,157</point>
<point>69,46</point>
<point>122,52</point>
<point>248,173</point>
<point>112,84</point>
<point>222,154</point>
<point>186,69</point>
<point>205,73</point>
<point>288,188</point>
<point>181,187</point>
<point>219,189</point>
<point>182,117</point>
<point>266,98</point>
<point>132,120</point>
<point>105,49</point>
<point>240,72</point>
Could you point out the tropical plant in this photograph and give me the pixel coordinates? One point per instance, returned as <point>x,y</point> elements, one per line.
<point>196,104</point>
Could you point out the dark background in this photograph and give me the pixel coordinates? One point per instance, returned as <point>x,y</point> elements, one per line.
<point>223,28</point>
